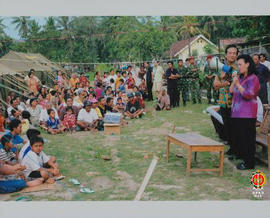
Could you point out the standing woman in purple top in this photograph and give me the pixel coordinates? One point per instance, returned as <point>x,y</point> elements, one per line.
<point>245,89</point>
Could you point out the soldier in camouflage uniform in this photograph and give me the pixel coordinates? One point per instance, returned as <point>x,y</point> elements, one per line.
<point>210,77</point>
<point>193,72</point>
<point>187,79</point>
<point>182,82</point>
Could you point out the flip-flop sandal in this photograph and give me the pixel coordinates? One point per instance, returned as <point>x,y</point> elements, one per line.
<point>24,198</point>
<point>74,181</point>
<point>179,155</point>
<point>104,157</point>
<point>86,190</point>
<point>56,178</point>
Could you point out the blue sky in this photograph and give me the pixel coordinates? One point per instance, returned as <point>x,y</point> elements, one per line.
<point>11,28</point>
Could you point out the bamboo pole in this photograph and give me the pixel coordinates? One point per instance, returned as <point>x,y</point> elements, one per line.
<point>146,178</point>
<point>12,83</point>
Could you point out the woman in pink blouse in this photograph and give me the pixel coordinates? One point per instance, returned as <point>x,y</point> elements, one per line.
<point>245,89</point>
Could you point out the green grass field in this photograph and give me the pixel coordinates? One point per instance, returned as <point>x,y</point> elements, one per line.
<point>79,156</point>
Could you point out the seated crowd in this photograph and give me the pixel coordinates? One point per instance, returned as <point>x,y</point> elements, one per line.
<point>71,107</point>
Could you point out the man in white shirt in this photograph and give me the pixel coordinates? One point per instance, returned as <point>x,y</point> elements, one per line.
<point>87,118</point>
<point>264,61</point>
<point>112,76</point>
<point>13,106</point>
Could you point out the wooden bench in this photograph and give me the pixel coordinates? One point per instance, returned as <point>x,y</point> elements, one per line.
<point>196,143</point>
<point>263,136</point>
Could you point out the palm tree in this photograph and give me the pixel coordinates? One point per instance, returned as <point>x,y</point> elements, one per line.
<point>50,24</point>
<point>22,24</point>
<point>188,28</point>
<point>2,26</point>
<point>64,23</point>
<point>209,24</point>
<point>34,27</point>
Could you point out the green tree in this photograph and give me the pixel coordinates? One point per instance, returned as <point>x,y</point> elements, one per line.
<point>188,28</point>
<point>22,25</point>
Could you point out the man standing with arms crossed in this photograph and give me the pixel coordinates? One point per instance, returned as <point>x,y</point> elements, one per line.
<point>182,83</point>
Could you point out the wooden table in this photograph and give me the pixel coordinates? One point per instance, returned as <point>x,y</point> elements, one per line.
<point>196,143</point>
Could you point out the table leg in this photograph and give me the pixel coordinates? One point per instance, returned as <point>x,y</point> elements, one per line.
<point>221,162</point>
<point>189,161</point>
<point>168,149</point>
<point>195,156</point>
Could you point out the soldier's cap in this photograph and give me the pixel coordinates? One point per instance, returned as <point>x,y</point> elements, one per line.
<point>130,95</point>
<point>209,57</point>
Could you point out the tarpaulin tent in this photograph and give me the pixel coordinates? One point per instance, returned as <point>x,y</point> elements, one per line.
<point>5,70</point>
<point>15,65</point>
<point>23,62</point>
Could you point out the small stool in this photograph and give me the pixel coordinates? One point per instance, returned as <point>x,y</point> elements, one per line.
<point>110,128</point>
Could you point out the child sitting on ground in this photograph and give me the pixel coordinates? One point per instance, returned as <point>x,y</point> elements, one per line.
<point>38,164</point>
<point>119,106</point>
<point>6,155</point>
<point>69,120</point>
<point>25,121</point>
<point>53,124</point>
<point>122,86</point>
<point>30,133</point>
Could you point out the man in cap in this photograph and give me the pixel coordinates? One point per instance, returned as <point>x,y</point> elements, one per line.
<point>210,76</point>
<point>133,109</point>
<point>193,70</point>
<point>87,118</point>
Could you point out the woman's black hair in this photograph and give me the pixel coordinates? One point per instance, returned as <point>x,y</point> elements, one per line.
<point>30,72</point>
<point>111,80</point>
<point>53,92</point>
<point>32,99</point>
<point>12,100</point>
<point>108,100</point>
<point>13,112</point>
<point>70,108</point>
<point>26,115</point>
<point>247,59</point>
<point>36,139</point>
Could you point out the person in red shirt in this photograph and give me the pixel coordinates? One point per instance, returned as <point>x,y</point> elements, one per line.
<point>83,80</point>
<point>130,81</point>
<point>139,98</point>
<point>69,120</point>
